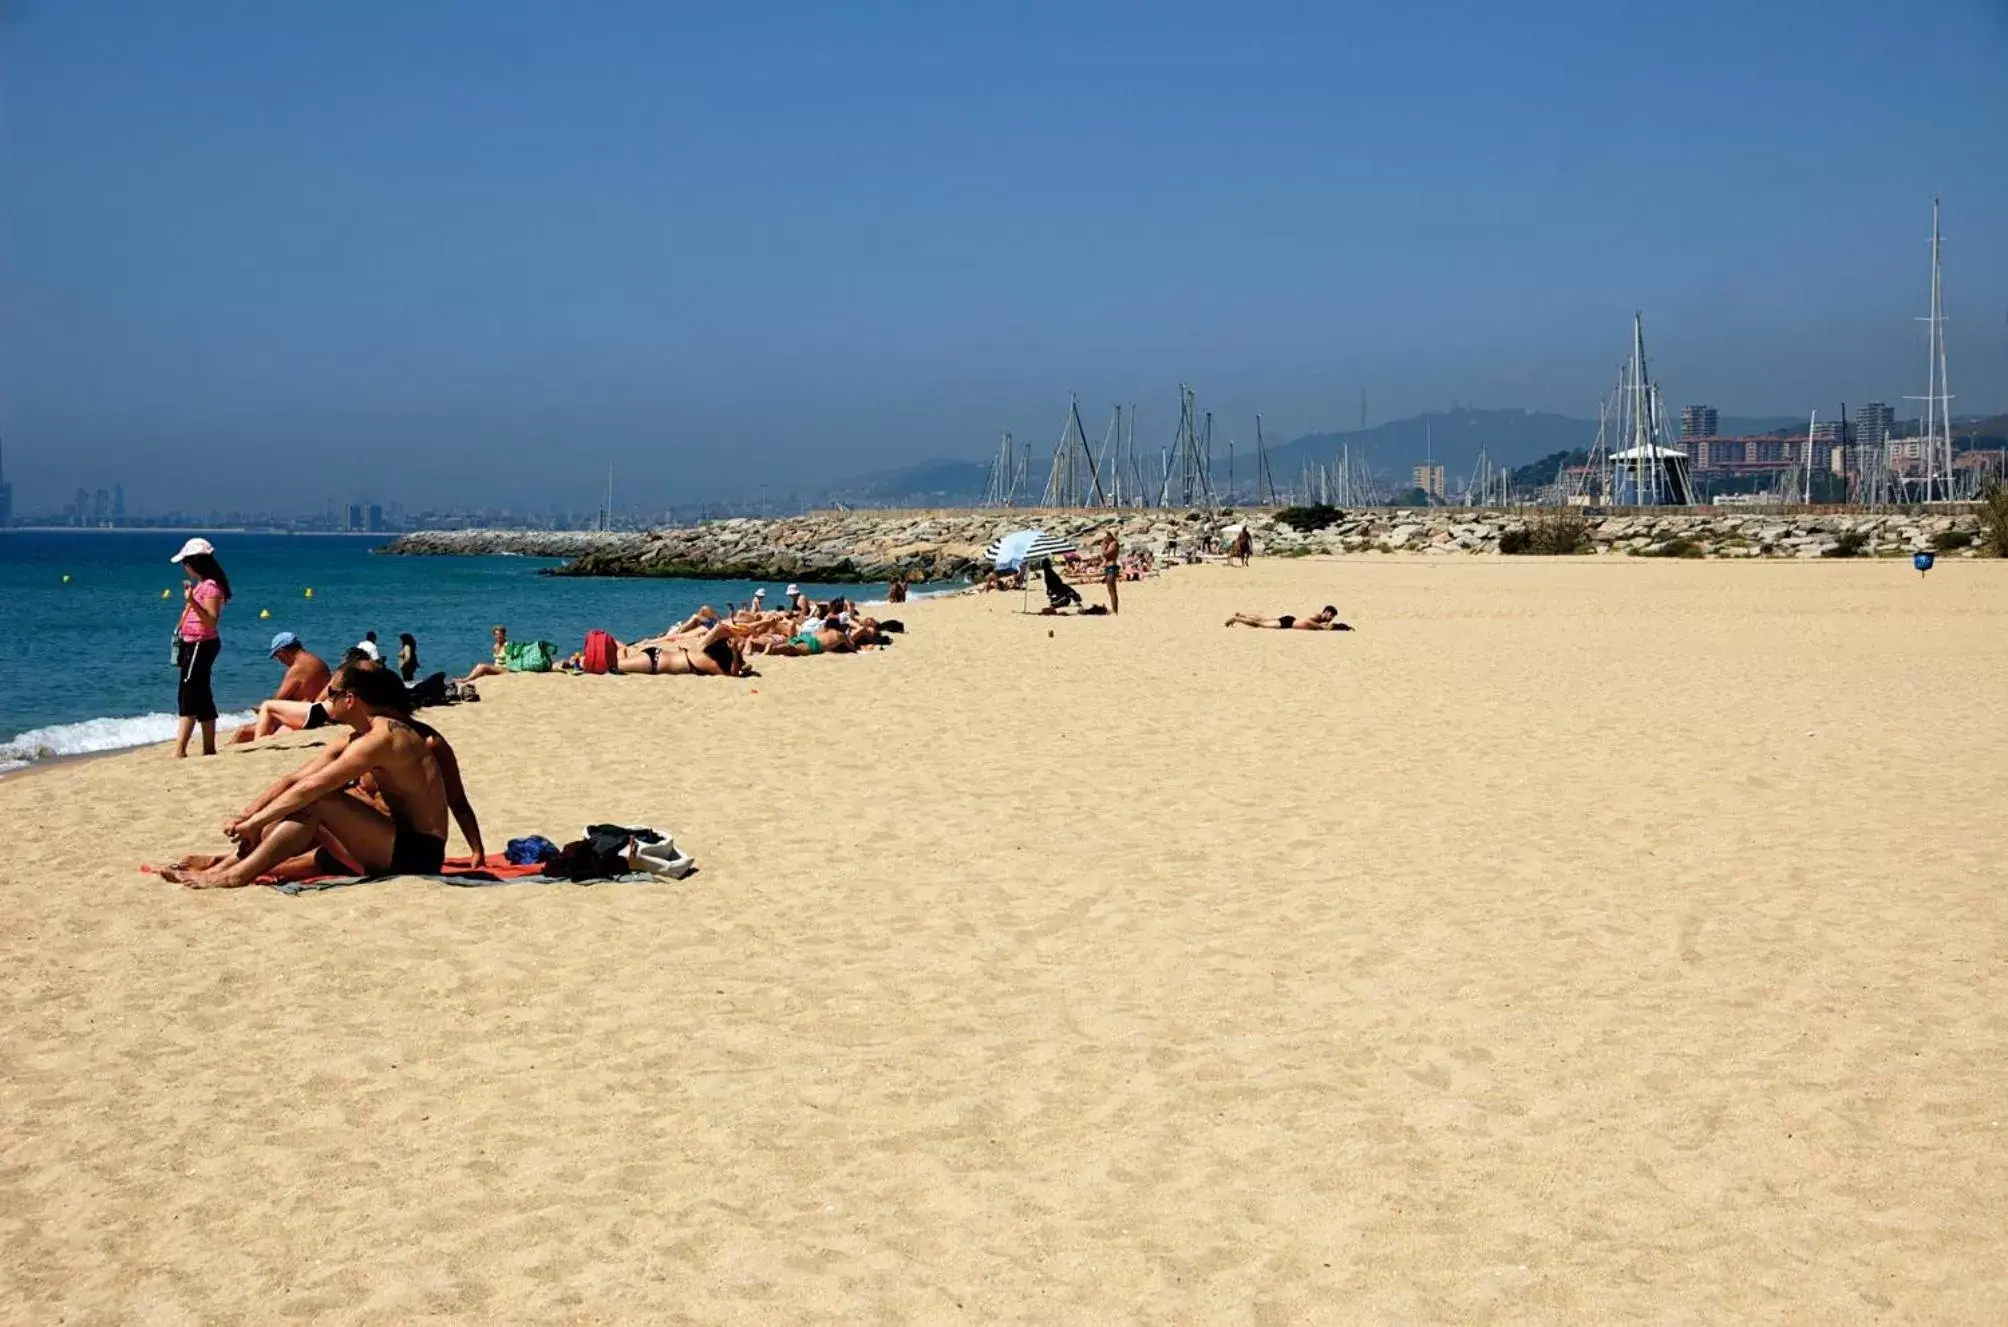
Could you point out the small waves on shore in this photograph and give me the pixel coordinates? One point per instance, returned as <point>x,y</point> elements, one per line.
<point>94,735</point>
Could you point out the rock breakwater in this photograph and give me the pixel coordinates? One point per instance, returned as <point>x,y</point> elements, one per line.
<point>873,546</point>
<point>525,543</point>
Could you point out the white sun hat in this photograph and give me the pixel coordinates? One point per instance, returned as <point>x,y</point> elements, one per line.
<point>192,547</point>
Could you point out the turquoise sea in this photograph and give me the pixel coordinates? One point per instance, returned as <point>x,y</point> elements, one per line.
<point>85,665</point>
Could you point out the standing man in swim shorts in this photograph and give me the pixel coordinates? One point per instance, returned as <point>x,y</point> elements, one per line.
<point>1112,567</point>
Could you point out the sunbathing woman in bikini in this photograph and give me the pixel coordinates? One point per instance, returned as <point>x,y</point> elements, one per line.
<point>1327,619</point>
<point>716,653</point>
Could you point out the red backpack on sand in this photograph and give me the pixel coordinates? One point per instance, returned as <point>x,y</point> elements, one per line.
<point>602,653</point>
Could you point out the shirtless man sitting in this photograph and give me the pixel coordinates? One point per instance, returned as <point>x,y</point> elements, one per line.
<point>415,775</point>
<point>1327,619</point>
<point>295,703</point>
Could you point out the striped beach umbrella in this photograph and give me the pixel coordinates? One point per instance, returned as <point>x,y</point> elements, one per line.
<point>1026,547</point>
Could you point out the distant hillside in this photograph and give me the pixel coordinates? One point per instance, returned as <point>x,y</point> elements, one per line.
<point>941,482</point>
<point>1452,437</point>
<point>1989,432</point>
<point>1511,438</point>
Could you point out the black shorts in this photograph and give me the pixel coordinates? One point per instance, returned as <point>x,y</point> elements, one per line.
<point>413,853</point>
<point>317,716</point>
<point>192,660</point>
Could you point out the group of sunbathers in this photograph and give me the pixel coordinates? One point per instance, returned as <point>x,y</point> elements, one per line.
<point>301,698</point>
<point>713,644</point>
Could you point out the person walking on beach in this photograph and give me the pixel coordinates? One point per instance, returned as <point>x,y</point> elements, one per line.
<point>1112,568</point>
<point>1243,549</point>
<point>197,642</point>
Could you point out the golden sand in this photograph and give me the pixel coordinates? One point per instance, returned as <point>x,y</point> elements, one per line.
<point>1591,941</point>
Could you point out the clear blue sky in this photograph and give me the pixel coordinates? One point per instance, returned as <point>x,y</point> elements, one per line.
<point>275,254</point>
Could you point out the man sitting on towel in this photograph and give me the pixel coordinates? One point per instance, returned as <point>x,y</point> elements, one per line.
<point>296,704</point>
<point>416,781</point>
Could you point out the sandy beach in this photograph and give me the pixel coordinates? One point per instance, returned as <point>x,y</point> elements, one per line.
<point>1585,941</point>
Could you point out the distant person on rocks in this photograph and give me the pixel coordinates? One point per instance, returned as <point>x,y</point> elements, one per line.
<point>197,642</point>
<point>1326,619</point>
<point>1112,568</point>
<point>296,704</point>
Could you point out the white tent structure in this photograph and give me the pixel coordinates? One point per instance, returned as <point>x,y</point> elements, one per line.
<point>1651,474</point>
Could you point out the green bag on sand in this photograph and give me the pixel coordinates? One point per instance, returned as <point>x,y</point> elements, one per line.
<point>529,656</point>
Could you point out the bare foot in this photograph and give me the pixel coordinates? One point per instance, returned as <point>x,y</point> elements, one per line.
<point>218,878</point>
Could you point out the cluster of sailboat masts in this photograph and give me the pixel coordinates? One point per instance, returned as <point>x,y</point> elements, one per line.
<point>1633,462</point>
<point>1117,472</point>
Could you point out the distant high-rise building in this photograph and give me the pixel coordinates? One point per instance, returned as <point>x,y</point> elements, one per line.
<point>80,508</point>
<point>6,496</point>
<point>1429,477</point>
<point>375,518</point>
<point>118,502</point>
<point>1874,423</point>
<point>1700,421</point>
<point>355,516</point>
<point>101,506</point>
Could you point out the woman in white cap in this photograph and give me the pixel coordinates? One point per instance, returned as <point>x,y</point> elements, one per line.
<point>197,642</point>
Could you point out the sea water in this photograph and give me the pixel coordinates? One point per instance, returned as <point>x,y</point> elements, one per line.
<point>86,619</point>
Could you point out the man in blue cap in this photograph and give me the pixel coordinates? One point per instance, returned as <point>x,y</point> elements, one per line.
<point>297,702</point>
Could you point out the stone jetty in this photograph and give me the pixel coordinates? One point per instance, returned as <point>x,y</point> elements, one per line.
<point>523,543</point>
<point>871,546</point>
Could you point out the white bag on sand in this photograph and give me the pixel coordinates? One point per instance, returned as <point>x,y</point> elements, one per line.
<point>664,859</point>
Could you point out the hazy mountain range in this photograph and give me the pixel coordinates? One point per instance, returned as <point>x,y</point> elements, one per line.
<point>1453,437</point>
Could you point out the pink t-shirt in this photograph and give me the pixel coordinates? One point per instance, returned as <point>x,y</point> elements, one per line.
<point>192,625</point>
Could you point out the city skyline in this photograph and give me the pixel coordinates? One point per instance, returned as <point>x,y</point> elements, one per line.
<point>727,250</point>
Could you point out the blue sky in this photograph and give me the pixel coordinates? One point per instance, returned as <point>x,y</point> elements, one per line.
<point>278,254</point>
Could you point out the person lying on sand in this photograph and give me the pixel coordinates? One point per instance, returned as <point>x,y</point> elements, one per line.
<point>703,620</point>
<point>296,704</point>
<point>816,636</point>
<point>719,652</point>
<point>414,773</point>
<point>1327,619</point>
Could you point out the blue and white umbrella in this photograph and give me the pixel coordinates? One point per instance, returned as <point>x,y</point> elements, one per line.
<point>1023,548</point>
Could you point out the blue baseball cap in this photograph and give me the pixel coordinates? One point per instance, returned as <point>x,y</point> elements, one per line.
<point>285,640</point>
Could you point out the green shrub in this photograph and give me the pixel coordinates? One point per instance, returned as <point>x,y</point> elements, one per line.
<point>1555,533</point>
<point>1994,519</point>
<point>1848,544</point>
<point>1682,547</point>
<point>1951,541</point>
<point>1305,519</point>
